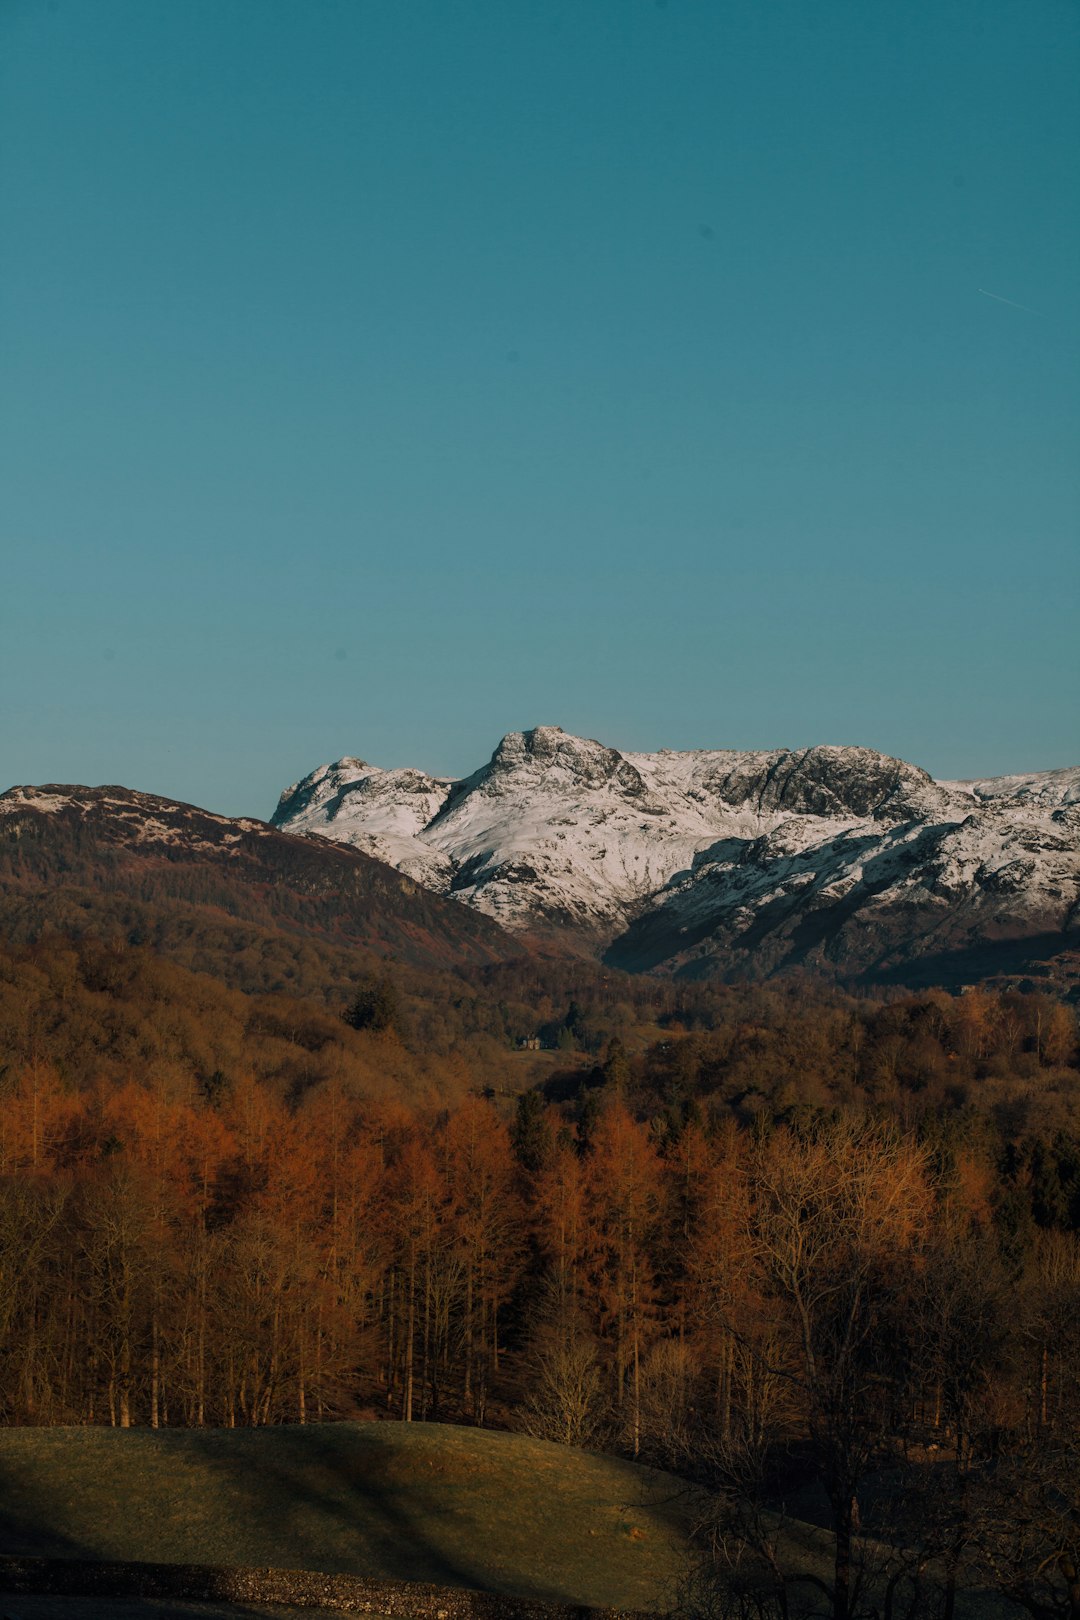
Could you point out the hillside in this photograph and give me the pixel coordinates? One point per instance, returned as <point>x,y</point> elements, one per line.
<point>117,842</point>
<point>836,859</point>
<point>419,1502</point>
<point>482,1510</point>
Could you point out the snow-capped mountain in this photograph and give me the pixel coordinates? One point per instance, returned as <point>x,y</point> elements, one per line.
<point>698,859</point>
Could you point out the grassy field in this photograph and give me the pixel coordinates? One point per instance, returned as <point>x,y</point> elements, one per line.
<point>389,1501</point>
<point>422,1502</point>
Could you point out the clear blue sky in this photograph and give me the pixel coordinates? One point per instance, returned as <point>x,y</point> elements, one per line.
<point>380,376</point>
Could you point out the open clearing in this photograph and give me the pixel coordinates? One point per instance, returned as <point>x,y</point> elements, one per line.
<point>428,1502</point>
<point>391,1501</point>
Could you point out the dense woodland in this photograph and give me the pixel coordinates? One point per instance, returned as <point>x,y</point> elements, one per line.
<point>780,1239</point>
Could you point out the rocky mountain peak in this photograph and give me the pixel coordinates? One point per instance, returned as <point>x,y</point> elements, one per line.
<point>671,851</point>
<point>321,784</point>
<point>562,760</point>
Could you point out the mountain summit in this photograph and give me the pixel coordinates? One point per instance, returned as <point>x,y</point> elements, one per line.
<point>706,860</point>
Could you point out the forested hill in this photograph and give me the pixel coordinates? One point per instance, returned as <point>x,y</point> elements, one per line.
<point>246,1177</point>
<point>188,1252</point>
<point>63,848</point>
<point>146,940</point>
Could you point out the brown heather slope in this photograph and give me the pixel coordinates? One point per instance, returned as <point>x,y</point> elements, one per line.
<point>276,914</point>
<point>116,842</point>
<point>296,924</point>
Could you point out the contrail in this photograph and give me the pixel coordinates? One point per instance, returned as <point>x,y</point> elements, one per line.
<point>1011,302</point>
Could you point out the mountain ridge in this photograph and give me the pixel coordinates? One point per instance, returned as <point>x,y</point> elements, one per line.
<point>699,863</point>
<point>835,857</point>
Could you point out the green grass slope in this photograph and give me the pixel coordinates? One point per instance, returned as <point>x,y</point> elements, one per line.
<point>421,1502</point>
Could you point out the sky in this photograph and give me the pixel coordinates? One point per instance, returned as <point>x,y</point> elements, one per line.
<point>381,376</point>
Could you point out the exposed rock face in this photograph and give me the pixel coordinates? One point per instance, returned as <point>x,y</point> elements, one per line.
<point>703,861</point>
<point>826,782</point>
<point>870,902</point>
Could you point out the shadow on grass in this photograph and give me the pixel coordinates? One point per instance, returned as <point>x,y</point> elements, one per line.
<point>495,1513</point>
<point>28,1517</point>
<point>384,1504</point>
<point>282,1474</point>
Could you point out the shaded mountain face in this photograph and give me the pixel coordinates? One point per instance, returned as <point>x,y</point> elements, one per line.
<point>125,843</point>
<point>705,861</point>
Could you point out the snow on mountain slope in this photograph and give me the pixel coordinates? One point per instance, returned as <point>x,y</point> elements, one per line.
<point>867,899</point>
<point>381,812</point>
<point>827,853</point>
<point>562,830</point>
<point>1039,787</point>
<point>137,818</point>
<point>553,829</point>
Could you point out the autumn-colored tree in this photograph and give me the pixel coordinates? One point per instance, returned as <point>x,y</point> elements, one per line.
<point>563,1374</point>
<point>626,1192</point>
<point>486,1219</point>
<point>839,1214</point>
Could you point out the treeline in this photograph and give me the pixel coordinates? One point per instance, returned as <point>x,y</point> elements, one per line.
<point>233,1259</point>
<point>288,1012</point>
<point>794,1301</point>
<point>776,1239</point>
<point>1010,1056</point>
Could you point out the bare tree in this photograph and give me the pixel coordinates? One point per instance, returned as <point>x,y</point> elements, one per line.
<point>1028,1494</point>
<point>838,1212</point>
<point>564,1376</point>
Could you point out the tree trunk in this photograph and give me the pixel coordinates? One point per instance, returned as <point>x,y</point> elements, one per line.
<point>409,1336</point>
<point>125,1384</point>
<point>844,1510</point>
<point>425,1340</point>
<point>467,1390</point>
<point>155,1374</point>
<point>635,1358</point>
<point>1071,1572</point>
